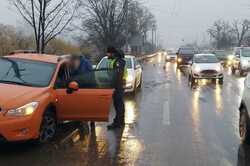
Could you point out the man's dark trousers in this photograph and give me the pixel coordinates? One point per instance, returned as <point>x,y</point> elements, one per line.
<point>118,98</point>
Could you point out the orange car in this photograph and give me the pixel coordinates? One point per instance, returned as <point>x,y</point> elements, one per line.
<point>38,91</point>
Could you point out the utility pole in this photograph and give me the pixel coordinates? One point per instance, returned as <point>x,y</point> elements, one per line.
<point>127,15</point>
<point>154,36</point>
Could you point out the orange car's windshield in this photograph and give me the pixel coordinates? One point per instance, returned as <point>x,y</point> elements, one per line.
<point>26,72</point>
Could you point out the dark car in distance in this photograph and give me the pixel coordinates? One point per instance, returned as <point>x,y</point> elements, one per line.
<point>223,56</point>
<point>184,55</point>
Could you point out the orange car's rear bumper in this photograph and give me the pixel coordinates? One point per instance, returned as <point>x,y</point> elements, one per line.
<point>19,128</point>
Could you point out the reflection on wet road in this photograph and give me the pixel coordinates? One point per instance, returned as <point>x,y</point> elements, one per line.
<point>168,123</point>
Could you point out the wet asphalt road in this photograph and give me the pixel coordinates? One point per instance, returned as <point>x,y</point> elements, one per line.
<point>168,123</point>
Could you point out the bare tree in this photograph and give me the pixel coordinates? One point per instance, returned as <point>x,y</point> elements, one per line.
<point>241,29</point>
<point>12,38</point>
<point>140,20</point>
<point>222,34</point>
<point>105,21</point>
<point>48,18</point>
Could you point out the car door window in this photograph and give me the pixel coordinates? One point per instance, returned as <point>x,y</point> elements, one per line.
<point>237,52</point>
<point>63,77</point>
<point>96,79</point>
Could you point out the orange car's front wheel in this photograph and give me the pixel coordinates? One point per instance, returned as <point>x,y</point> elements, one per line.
<point>48,127</point>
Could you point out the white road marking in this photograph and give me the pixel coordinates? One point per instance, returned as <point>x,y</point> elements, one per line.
<point>166,113</point>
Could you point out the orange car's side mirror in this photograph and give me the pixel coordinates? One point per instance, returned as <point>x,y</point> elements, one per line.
<point>73,86</point>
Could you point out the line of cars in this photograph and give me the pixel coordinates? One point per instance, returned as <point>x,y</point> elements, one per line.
<point>200,65</point>
<point>39,91</point>
<point>210,66</point>
<point>241,60</point>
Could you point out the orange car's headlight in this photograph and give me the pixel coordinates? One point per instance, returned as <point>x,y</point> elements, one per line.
<point>25,110</point>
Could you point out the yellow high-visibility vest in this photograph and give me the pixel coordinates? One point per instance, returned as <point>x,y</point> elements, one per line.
<point>111,66</point>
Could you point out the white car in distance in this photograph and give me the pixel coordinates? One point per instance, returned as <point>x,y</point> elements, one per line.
<point>241,60</point>
<point>205,66</point>
<point>171,56</point>
<point>134,79</point>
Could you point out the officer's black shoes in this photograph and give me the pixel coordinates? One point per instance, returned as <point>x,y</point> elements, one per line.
<point>114,126</point>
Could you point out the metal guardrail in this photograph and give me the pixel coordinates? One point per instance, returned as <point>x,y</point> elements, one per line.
<point>146,56</point>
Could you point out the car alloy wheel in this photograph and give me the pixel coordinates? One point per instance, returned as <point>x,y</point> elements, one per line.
<point>135,89</point>
<point>140,85</point>
<point>243,126</point>
<point>48,127</point>
<point>189,78</point>
<point>233,70</point>
<point>192,80</point>
<point>221,81</point>
<point>242,73</point>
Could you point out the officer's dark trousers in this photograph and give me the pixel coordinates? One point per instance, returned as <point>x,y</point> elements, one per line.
<point>118,98</point>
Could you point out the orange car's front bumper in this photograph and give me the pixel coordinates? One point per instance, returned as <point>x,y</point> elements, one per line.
<point>18,128</point>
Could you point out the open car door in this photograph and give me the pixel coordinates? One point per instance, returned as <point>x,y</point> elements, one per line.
<point>91,101</point>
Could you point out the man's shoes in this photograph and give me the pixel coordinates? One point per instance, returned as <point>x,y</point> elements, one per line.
<point>114,126</point>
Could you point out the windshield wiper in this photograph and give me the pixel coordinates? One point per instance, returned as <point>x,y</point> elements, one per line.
<point>15,83</point>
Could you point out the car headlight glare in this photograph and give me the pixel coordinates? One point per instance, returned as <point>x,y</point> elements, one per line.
<point>244,62</point>
<point>25,110</point>
<point>197,69</point>
<point>179,59</point>
<point>230,57</point>
<point>218,68</point>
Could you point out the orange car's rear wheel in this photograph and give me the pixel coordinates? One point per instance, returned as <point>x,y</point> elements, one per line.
<point>244,126</point>
<point>48,127</point>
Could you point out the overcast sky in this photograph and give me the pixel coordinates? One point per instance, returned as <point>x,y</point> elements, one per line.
<point>178,20</point>
<point>189,19</point>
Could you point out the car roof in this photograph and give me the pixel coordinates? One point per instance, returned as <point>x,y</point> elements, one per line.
<point>126,56</point>
<point>35,57</point>
<point>204,55</point>
<point>187,48</point>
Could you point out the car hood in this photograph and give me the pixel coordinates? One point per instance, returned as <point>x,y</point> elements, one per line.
<point>13,96</point>
<point>172,55</point>
<point>207,66</point>
<point>245,58</point>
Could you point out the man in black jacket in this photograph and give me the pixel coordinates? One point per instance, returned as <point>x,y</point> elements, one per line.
<point>117,64</point>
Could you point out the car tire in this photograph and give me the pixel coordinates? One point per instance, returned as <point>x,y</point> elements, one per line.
<point>134,90</point>
<point>48,127</point>
<point>192,80</point>
<point>244,129</point>
<point>189,78</point>
<point>242,73</point>
<point>177,66</point>
<point>140,85</point>
<point>221,80</point>
<point>233,70</point>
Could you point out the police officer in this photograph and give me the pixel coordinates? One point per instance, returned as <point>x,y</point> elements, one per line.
<point>117,64</point>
